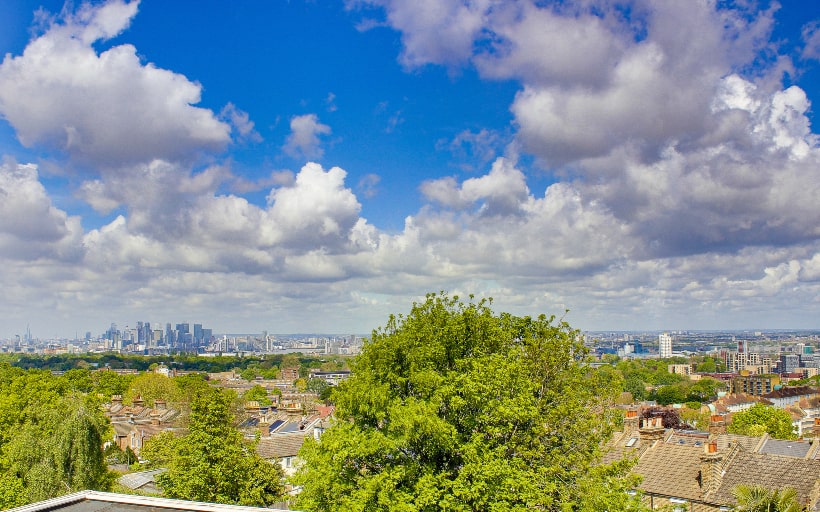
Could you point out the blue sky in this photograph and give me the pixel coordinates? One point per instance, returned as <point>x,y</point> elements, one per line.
<point>316,166</point>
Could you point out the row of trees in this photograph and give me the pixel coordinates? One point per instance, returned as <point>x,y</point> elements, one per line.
<point>249,366</point>
<point>648,379</point>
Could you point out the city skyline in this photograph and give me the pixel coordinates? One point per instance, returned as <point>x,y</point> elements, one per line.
<point>315,167</point>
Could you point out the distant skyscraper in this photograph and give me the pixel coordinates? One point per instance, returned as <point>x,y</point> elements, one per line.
<point>664,345</point>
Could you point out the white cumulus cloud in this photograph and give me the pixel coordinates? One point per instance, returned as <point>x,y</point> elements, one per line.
<point>303,140</point>
<point>107,109</point>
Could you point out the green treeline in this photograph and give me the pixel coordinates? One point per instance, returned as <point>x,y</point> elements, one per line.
<point>186,362</point>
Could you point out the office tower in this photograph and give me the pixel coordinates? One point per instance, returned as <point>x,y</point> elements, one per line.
<point>789,363</point>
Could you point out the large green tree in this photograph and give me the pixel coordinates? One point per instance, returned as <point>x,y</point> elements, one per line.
<point>213,463</point>
<point>57,451</point>
<point>763,419</point>
<point>453,407</point>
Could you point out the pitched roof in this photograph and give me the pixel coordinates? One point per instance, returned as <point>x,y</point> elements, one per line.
<point>673,467</point>
<point>770,471</point>
<point>792,391</point>
<point>786,448</point>
<point>278,446</point>
<point>748,443</point>
<point>139,479</point>
<point>671,470</point>
<point>623,445</point>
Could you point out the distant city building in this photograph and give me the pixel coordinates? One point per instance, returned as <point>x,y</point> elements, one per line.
<point>757,385</point>
<point>664,345</point>
<point>680,369</point>
<point>789,363</point>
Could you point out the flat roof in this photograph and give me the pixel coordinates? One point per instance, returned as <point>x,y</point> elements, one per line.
<point>93,501</point>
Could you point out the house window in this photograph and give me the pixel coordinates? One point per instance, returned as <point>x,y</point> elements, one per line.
<point>678,505</point>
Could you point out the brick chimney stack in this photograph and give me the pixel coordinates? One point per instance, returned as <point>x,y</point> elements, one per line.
<point>652,429</point>
<point>632,421</point>
<point>264,427</point>
<point>717,425</point>
<point>711,467</point>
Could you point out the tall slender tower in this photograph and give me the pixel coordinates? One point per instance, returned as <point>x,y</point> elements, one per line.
<point>664,345</point>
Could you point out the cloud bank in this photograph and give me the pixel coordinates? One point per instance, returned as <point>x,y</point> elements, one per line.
<point>684,180</point>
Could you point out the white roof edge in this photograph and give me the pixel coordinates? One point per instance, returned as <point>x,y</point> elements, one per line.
<point>130,499</point>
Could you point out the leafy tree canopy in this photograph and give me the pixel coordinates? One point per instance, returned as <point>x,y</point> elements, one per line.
<point>150,387</point>
<point>707,366</point>
<point>755,498</point>
<point>54,451</point>
<point>212,462</point>
<point>761,419</point>
<point>453,407</point>
<point>258,393</point>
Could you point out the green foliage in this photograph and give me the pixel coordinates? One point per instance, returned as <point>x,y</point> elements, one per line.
<point>756,498</point>
<point>637,387</point>
<point>114,455</point>
<point>761,419</point>
<point>290,361</point>
<point>158,450</point>
<point>190,385</point>
<point>78,452</point>
<point>51,435</point>
<point>258,393</point>
<point>694,417</point>
<point>707,366</point>
<point>300,384</point>
<point>455,408</point>
<point>336,364</point>
<point>152,386</point>
<point>248,374</point>
<point>110,383</point>
<point>79,380</point>
<point>317,386</point>
<point>670,394</point>
<point>704,389</point>
<point>212,462</point>
<point>55,451</point>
